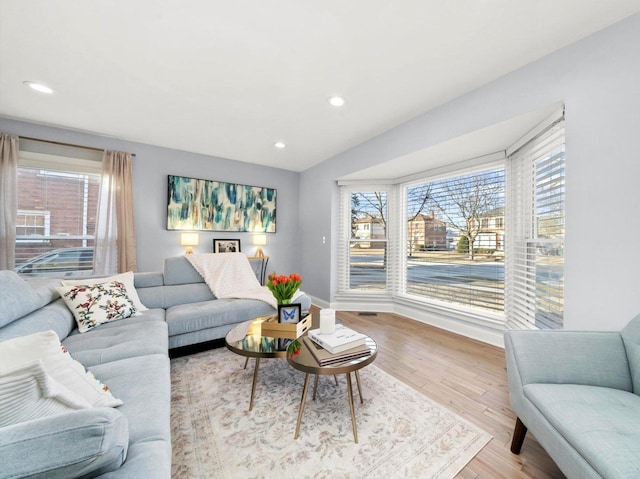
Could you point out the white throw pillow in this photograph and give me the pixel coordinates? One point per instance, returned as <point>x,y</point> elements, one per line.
<point>126,278</point>
<point>58,363</point>
<point>28,393</point>
<point>97,304</point>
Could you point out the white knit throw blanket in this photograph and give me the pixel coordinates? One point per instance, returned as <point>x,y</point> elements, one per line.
<point>229,275</point>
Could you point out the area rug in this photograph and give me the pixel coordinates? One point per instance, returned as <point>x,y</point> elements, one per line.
<point>401,433</point>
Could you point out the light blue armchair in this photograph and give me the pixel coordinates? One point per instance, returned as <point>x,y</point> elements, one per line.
<point>578,393</point>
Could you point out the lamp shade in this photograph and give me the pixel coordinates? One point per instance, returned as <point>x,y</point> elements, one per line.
<point>189,240</point>
<point>259,241</point>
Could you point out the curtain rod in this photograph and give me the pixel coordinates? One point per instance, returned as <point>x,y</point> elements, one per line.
<point>65,144</point>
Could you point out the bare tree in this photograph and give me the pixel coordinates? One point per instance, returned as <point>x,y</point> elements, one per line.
<point>373,206</point>
<point>465,200</point>
<point>418,196</point>
<point>355,206</point>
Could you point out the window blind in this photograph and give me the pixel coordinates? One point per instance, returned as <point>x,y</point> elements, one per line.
<point>362,251</point>
<point>535,234</point>
<point>454,239</point>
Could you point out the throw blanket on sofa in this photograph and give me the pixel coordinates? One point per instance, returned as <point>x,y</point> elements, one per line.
<point>229,275</point>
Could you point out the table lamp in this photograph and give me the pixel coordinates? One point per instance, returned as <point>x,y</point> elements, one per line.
<point>259,241</point>
<point>189,240</point>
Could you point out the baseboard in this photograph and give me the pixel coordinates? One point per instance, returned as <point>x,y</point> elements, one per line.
<point>478,332</point>
<point>320,303</point>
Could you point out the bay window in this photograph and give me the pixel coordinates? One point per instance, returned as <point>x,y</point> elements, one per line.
<point>485,240</point>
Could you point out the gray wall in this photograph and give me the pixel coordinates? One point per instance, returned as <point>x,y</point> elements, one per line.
<point>598,79</point>
<point>150,169</point>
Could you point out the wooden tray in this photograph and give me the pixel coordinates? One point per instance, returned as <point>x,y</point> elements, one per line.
<point>272,328</point>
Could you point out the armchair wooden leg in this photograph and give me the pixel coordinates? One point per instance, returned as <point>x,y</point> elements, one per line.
<point>519,432</point>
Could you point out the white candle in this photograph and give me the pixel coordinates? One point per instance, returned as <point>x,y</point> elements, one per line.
<point>327,321</point>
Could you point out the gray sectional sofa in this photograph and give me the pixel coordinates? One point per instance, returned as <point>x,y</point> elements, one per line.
<point>578,392</point>
<point>131,357</point>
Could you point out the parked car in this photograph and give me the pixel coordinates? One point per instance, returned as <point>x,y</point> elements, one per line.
<point>59,262</point>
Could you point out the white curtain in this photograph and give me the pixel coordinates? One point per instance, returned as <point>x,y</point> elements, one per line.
<point>115,249</point>
<point>8,199</point>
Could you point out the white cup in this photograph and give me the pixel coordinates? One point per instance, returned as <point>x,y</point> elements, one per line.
<point>327,321</point>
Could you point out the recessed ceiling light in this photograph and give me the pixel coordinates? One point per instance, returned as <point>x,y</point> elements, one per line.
<point>38,87</point>
<point>337,101</point>
<point>279,144</point>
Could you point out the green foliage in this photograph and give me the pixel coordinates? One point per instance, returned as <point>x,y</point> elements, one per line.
<point>463,245</point>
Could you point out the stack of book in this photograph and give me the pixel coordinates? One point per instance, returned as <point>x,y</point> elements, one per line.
<point>344,344</point>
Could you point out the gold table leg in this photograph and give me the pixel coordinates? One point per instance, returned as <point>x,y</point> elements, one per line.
<point>352,406</point>
<point>315,387</point>
<point>255,380</point>
<point>302,401</point>
<point>359,388</point>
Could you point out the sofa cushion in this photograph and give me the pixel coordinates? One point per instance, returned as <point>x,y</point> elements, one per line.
<point>45,288</point>
<point>47,348</point>
<point>28,392</point>
<point>144,385</point>
<point>147,280</point>
<point>631,337</point>
<point>84,443</point>
<point>54,316</point>
<point>167,296</point>
<point>17,298</point>
<point>97,304</point>
<point>601,424</point>
<point>186,318</point>
<point>178,270</point>
<point>123,339</point>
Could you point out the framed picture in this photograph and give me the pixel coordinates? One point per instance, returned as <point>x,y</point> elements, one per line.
<point>289,313</point>
<point>206,205</point>
<point>226,245</point>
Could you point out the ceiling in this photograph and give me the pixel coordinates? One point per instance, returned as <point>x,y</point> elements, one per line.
<point>231,78</point>
<point>492,141</point>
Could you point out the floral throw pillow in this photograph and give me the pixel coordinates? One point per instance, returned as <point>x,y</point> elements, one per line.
<point>97,304</point>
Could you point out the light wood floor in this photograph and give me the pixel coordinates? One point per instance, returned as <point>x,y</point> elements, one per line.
<point>468,377</point>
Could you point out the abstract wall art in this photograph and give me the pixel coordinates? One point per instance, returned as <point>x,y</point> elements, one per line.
<point>206,205</point>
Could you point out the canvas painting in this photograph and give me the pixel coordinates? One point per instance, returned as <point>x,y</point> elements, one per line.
<point>206,205</point>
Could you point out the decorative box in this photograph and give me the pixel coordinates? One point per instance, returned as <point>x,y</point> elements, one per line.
<point>272,328</point>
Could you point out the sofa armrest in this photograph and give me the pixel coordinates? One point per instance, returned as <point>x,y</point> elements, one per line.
<point>76,444</point>
<point>567,357</point>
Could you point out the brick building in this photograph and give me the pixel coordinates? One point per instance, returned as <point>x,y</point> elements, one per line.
<point>55,210</point>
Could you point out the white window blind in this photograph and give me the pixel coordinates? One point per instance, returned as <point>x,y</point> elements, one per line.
<point>455,239</point>
<point>363,255</point>
<point>535,234</point>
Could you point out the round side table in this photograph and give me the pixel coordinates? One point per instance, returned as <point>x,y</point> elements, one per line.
<point>300,358</point>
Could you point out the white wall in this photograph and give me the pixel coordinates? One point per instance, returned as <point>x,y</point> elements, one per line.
<point>150,169</point>
<point>598,79</point>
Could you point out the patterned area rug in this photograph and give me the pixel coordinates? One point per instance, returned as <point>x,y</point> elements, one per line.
<point>401,433</point>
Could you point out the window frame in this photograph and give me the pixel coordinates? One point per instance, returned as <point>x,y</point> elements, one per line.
<point>43,160</point>
<point>469,167</point>
<point>345,239</point>
<point>34,239</point>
